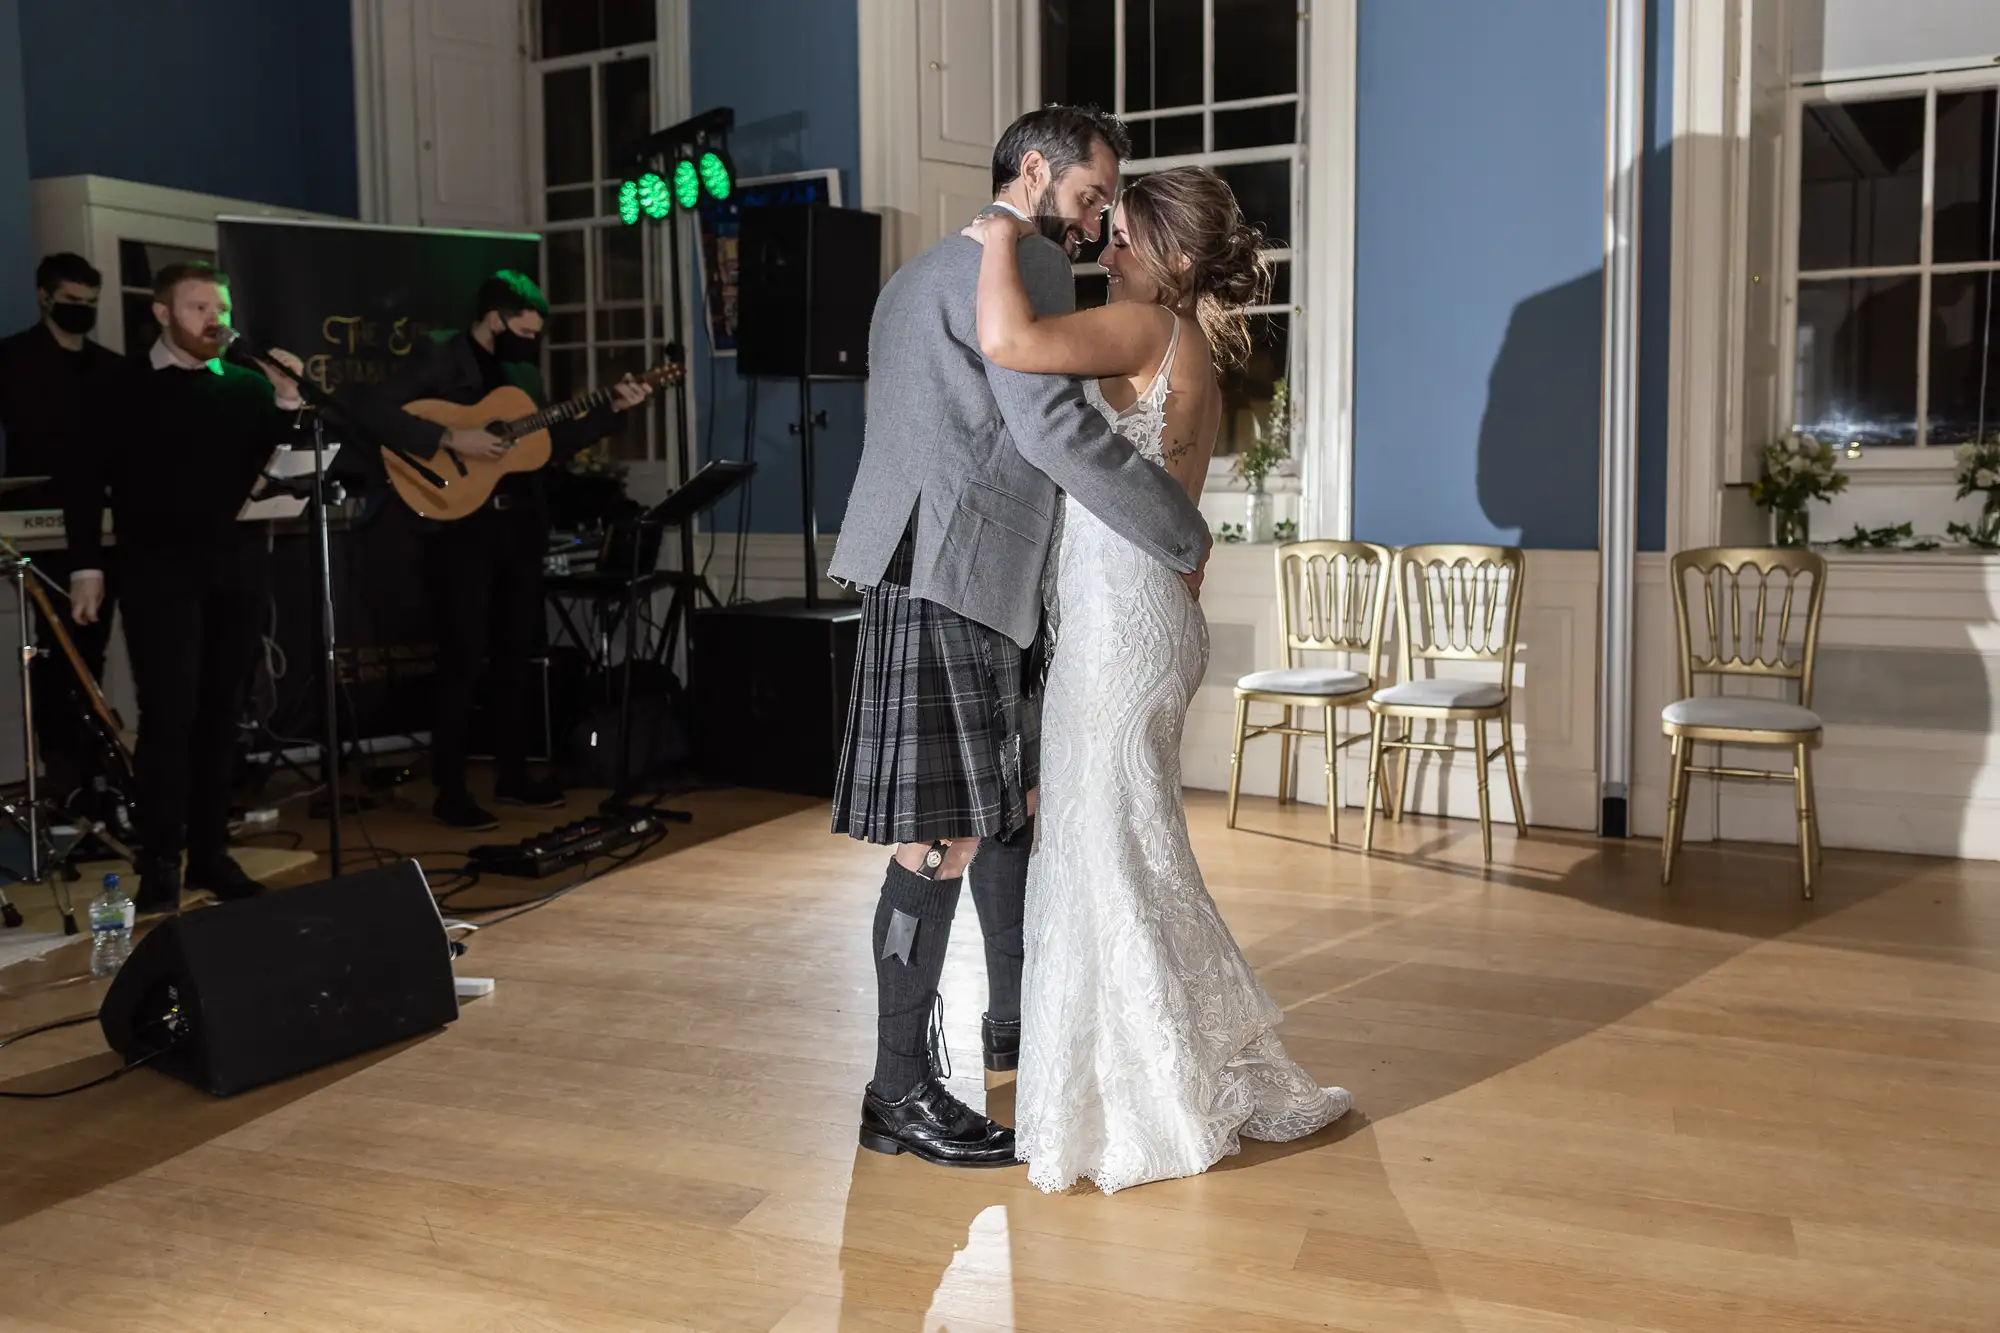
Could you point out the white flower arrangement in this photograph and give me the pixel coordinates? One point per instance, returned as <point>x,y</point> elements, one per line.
<point>1979,470</point>
<point>1798,469</point>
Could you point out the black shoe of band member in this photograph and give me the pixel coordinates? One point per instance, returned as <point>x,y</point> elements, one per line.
<point>1001,1042</point>
<point>159,887</point>
<point>222,877</point>
<point>934,1126</point>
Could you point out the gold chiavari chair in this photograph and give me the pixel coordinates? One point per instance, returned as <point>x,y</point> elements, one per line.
<point>1453,604</point>
<point>1332,598</point>
<point>1751,628</point>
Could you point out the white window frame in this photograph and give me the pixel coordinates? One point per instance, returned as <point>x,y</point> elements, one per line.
<point>1921,457</point>
<point>1221,475</point>
<point>657,334</point>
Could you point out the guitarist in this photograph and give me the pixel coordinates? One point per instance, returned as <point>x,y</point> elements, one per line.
<point>484,570</point>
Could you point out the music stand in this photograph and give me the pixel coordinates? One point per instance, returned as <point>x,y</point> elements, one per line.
<point>604,588</point>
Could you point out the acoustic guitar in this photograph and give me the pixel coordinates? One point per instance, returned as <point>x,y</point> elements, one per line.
<point>523,431</point>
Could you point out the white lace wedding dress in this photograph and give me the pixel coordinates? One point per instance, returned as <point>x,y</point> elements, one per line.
<point>1146,1041</point>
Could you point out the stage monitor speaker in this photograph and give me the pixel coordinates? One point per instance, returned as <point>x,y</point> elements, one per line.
<point>771,684</point>
<point>241,994</point>
<point>806,271</point>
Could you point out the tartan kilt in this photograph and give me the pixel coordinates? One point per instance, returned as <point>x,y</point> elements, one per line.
<point>943,739</point>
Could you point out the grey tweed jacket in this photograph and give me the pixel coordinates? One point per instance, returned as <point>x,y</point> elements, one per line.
<point>980,455</point>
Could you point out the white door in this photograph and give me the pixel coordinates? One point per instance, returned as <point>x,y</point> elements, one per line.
<point>969,83</point>
<point>470,116</point>
<point>953,196</point>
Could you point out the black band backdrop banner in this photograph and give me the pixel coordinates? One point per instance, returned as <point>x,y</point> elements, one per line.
<point>351,300</point>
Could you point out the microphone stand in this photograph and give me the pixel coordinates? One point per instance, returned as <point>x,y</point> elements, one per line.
<point>330,758</point>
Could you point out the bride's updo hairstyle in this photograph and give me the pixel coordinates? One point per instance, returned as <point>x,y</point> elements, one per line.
<point>1189,237</point>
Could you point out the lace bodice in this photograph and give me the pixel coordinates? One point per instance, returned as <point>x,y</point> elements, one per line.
<point>1145,421</point>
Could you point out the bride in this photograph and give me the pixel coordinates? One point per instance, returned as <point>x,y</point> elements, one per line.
<point>1147,1044</point>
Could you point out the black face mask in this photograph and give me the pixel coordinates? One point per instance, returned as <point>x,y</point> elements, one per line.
<point>511,346</point>
<point>73,318</point>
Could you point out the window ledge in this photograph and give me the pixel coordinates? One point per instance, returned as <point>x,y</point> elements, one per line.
<point>1889,466</point>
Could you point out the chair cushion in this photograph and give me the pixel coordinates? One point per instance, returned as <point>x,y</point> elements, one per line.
<point>1305,680</point>
<point>1443,693</point>
<point>1740,714</point>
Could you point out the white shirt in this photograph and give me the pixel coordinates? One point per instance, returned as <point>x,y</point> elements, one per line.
<point>1002,203</point>
<point>166,355</point>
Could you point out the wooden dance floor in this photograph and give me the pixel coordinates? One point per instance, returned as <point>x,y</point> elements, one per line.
<point>1587,1104</point>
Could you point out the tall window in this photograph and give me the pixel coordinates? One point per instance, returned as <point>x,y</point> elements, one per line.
<point>591,93</point>
<point>1896,261</point>
<point>1212,83</point>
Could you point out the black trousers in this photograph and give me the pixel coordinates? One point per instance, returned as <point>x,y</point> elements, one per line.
<point>485,575</point>
<point>194,623</point>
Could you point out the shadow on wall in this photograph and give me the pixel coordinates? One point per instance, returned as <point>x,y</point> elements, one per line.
<point>1539,435</point>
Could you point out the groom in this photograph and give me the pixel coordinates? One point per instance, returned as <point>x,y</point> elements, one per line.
<point>947,531</point>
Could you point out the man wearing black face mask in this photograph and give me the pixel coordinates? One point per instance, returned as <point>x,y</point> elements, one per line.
<point>46,374</point>
<point>484,570</point>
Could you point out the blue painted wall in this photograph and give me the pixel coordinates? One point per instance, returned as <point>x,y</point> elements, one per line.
<point>1656,222</point>
<point>17,240</point>
<point>1479,271</point>
<point>253,99</point>
<point>791,70</point>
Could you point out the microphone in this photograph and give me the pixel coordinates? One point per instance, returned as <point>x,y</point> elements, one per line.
<point>237,348</point>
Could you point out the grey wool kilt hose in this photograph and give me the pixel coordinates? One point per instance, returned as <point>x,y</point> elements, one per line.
<point>943,737</point>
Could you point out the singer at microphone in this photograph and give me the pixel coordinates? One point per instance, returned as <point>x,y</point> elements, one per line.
<point>175,443</point>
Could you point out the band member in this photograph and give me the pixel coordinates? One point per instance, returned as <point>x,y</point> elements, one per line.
<point>45,376</point>
<point>485,570</point>
<point>178,440</point>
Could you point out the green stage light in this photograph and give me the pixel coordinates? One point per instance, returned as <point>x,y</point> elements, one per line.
<point>687,184</point>
<point>653,196</point>
<point>628,202</point>
<point>716,176</point>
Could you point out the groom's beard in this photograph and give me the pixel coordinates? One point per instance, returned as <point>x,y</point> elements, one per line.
<point>1067,234</point>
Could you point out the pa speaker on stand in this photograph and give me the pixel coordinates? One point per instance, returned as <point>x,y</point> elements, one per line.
<point>807,279</point>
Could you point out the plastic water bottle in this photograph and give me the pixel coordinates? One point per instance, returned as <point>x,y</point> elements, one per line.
<point>111,916</point>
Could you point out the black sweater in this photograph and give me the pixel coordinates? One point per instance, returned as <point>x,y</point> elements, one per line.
<point>43,389</point>
<point>178,451</point>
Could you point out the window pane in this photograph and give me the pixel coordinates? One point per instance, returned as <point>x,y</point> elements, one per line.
<point>628,440</point>
<point>566,126</point>
<point>1079,52</point>
<point>626,324</point>
<point>1856,363</point>
<point>569,205</point>
<point>562,262</point>
<point>621,272</point>
<point>629,22</point>
<point>565,326</point>
<point>1162,54</point>
<point>628,109</point>
<point>1170,136</point>
<point>1861,178</point>
<point>1965,360</point>
<point>1246,393</point>
<point>568,374</point>
<point>570,26</point>
<point>1264,193</point>
<point>1963,218</point>
<point>138,261</point>
<point>1256,49</point>
<point>1281,284</point>
<point>1257,126</point>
